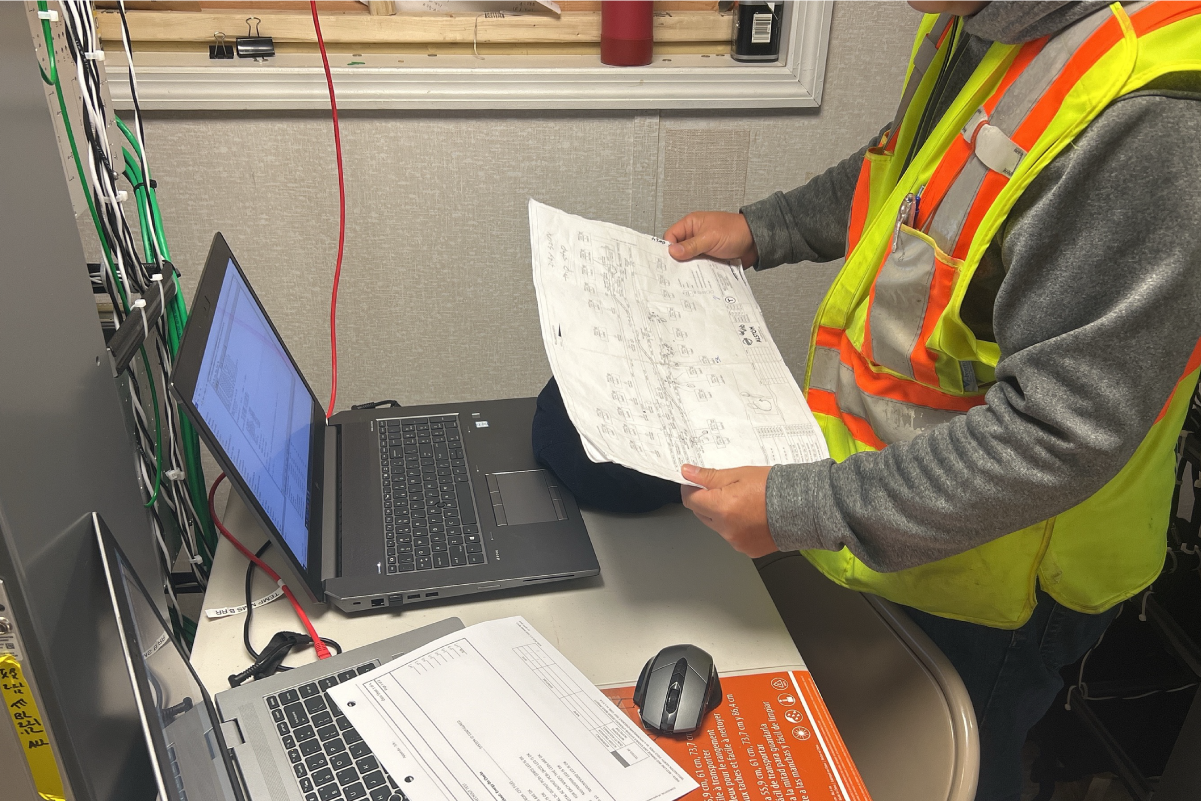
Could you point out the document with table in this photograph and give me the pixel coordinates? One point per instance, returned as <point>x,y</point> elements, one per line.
<point>496,712</point>
<point>660,362</point>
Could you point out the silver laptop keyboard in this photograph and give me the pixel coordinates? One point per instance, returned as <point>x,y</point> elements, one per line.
<point>430,520</point>
<point>329,758</point>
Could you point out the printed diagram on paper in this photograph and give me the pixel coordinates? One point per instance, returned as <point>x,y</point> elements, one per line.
<point>662,363</point>
<point>495,712</point>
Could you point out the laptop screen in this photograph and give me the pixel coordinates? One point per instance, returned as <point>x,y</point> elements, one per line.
<point>254,401</point>
<point>177,715</point>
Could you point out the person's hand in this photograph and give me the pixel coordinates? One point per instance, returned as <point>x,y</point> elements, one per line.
<point>733,503</point>
<point>720,234</point>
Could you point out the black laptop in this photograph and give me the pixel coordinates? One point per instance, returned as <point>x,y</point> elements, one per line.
<point>379,507</point>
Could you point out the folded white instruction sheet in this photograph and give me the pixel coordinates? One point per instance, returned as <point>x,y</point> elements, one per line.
<point>495,712</point>
<point>661,362</point>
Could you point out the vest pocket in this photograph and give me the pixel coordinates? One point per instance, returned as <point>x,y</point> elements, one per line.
<point>899,300</point>
<point>912,325</point>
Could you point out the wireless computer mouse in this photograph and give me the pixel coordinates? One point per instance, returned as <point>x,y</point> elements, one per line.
<point>677,687</point>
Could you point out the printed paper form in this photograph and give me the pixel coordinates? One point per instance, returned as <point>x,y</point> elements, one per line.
<point>661,362</point>
<point>495,713</point>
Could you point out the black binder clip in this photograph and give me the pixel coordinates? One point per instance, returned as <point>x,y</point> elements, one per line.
<point>220,49</point>
<point>254,46</point>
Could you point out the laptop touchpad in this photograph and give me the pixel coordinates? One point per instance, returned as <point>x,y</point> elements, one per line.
<point>523,497</point>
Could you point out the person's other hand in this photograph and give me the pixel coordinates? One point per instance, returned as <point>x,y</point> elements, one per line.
<point>733,503</point>
<point>720,234</point>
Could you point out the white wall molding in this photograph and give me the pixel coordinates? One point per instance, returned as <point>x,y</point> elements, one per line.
<point>184,81</point>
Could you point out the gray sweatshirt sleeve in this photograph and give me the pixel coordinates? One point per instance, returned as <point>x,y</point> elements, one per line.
<point>1096,318</point>
<point>810,222</point>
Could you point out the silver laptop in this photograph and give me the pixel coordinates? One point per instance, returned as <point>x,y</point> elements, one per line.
<point>275,739</point>
<point>372,508</point>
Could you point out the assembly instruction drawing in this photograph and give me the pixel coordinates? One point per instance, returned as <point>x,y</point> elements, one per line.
<point>662,363</point>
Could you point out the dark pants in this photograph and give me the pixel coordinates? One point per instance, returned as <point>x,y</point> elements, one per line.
<point>1012,678</point>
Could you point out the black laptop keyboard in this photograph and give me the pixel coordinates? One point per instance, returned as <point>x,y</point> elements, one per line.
<point>429,511</point>
<point>329,758</point>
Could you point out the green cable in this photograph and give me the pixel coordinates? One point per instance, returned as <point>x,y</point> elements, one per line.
<point>83,183</point>
<point>176,319</point>
<point>134,176</point>
<point>152,199</point>
<point>158,433</point>
<point>53,76</point>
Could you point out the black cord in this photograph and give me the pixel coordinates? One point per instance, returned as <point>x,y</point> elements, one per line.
<point>377,405</point>
<point>255,655</point>
<point>249,602</point>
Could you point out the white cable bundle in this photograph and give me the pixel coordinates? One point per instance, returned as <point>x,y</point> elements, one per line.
<point>132,276</point>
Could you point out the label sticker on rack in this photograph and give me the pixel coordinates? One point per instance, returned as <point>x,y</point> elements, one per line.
<point>31,732</point>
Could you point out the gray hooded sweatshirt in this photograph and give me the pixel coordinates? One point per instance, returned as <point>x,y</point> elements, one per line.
<point>1092,290</point>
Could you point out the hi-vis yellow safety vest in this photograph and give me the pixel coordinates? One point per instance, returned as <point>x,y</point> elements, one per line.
<point>890,355</point>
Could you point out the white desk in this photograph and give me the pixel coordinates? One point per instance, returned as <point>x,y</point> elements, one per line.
<point>667,579</point>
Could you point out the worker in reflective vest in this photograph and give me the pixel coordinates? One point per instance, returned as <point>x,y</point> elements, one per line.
<point>1003,363</point>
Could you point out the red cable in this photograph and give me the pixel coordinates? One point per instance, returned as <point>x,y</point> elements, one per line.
<point>318,646</point>
<point>333,304</point>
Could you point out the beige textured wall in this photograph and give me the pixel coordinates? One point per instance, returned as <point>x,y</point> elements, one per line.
<point>436,298</point>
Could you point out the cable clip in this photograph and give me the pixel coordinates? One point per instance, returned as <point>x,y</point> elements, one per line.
<point>140,303</point>
<point>157,278</point>
<point>51,15</point>
<point>94,55</point>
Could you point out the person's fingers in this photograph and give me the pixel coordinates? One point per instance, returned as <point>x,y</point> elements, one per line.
<point>708,506</point>
<point>702,503</point>
<point>701,242</point>
<point>682,229</point>
<point>707,476</point>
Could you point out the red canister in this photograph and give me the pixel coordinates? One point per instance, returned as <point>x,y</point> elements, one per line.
<point>627,37</point>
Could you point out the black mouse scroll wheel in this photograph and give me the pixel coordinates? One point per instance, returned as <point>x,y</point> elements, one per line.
<point>673,696</point>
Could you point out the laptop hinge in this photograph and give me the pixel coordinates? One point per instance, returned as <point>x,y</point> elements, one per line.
<point>330,499</point>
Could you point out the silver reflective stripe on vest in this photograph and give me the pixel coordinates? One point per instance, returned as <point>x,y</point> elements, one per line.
<point>926,52</point>
<point>891,420</point>
<point>1017,102</point>
<point>902,290</point>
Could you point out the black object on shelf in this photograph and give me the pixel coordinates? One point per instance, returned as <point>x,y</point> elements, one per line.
<point>757,27</point>
<point>254,46</point>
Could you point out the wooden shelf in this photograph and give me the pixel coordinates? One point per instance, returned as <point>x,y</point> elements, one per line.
<point>149,30</point>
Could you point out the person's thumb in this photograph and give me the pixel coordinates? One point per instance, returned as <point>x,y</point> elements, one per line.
<point>693,247</point>
<point>707,477</point>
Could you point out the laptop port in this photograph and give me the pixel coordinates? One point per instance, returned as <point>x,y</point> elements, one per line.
<point>377,601</point>
<point>431,595</point>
